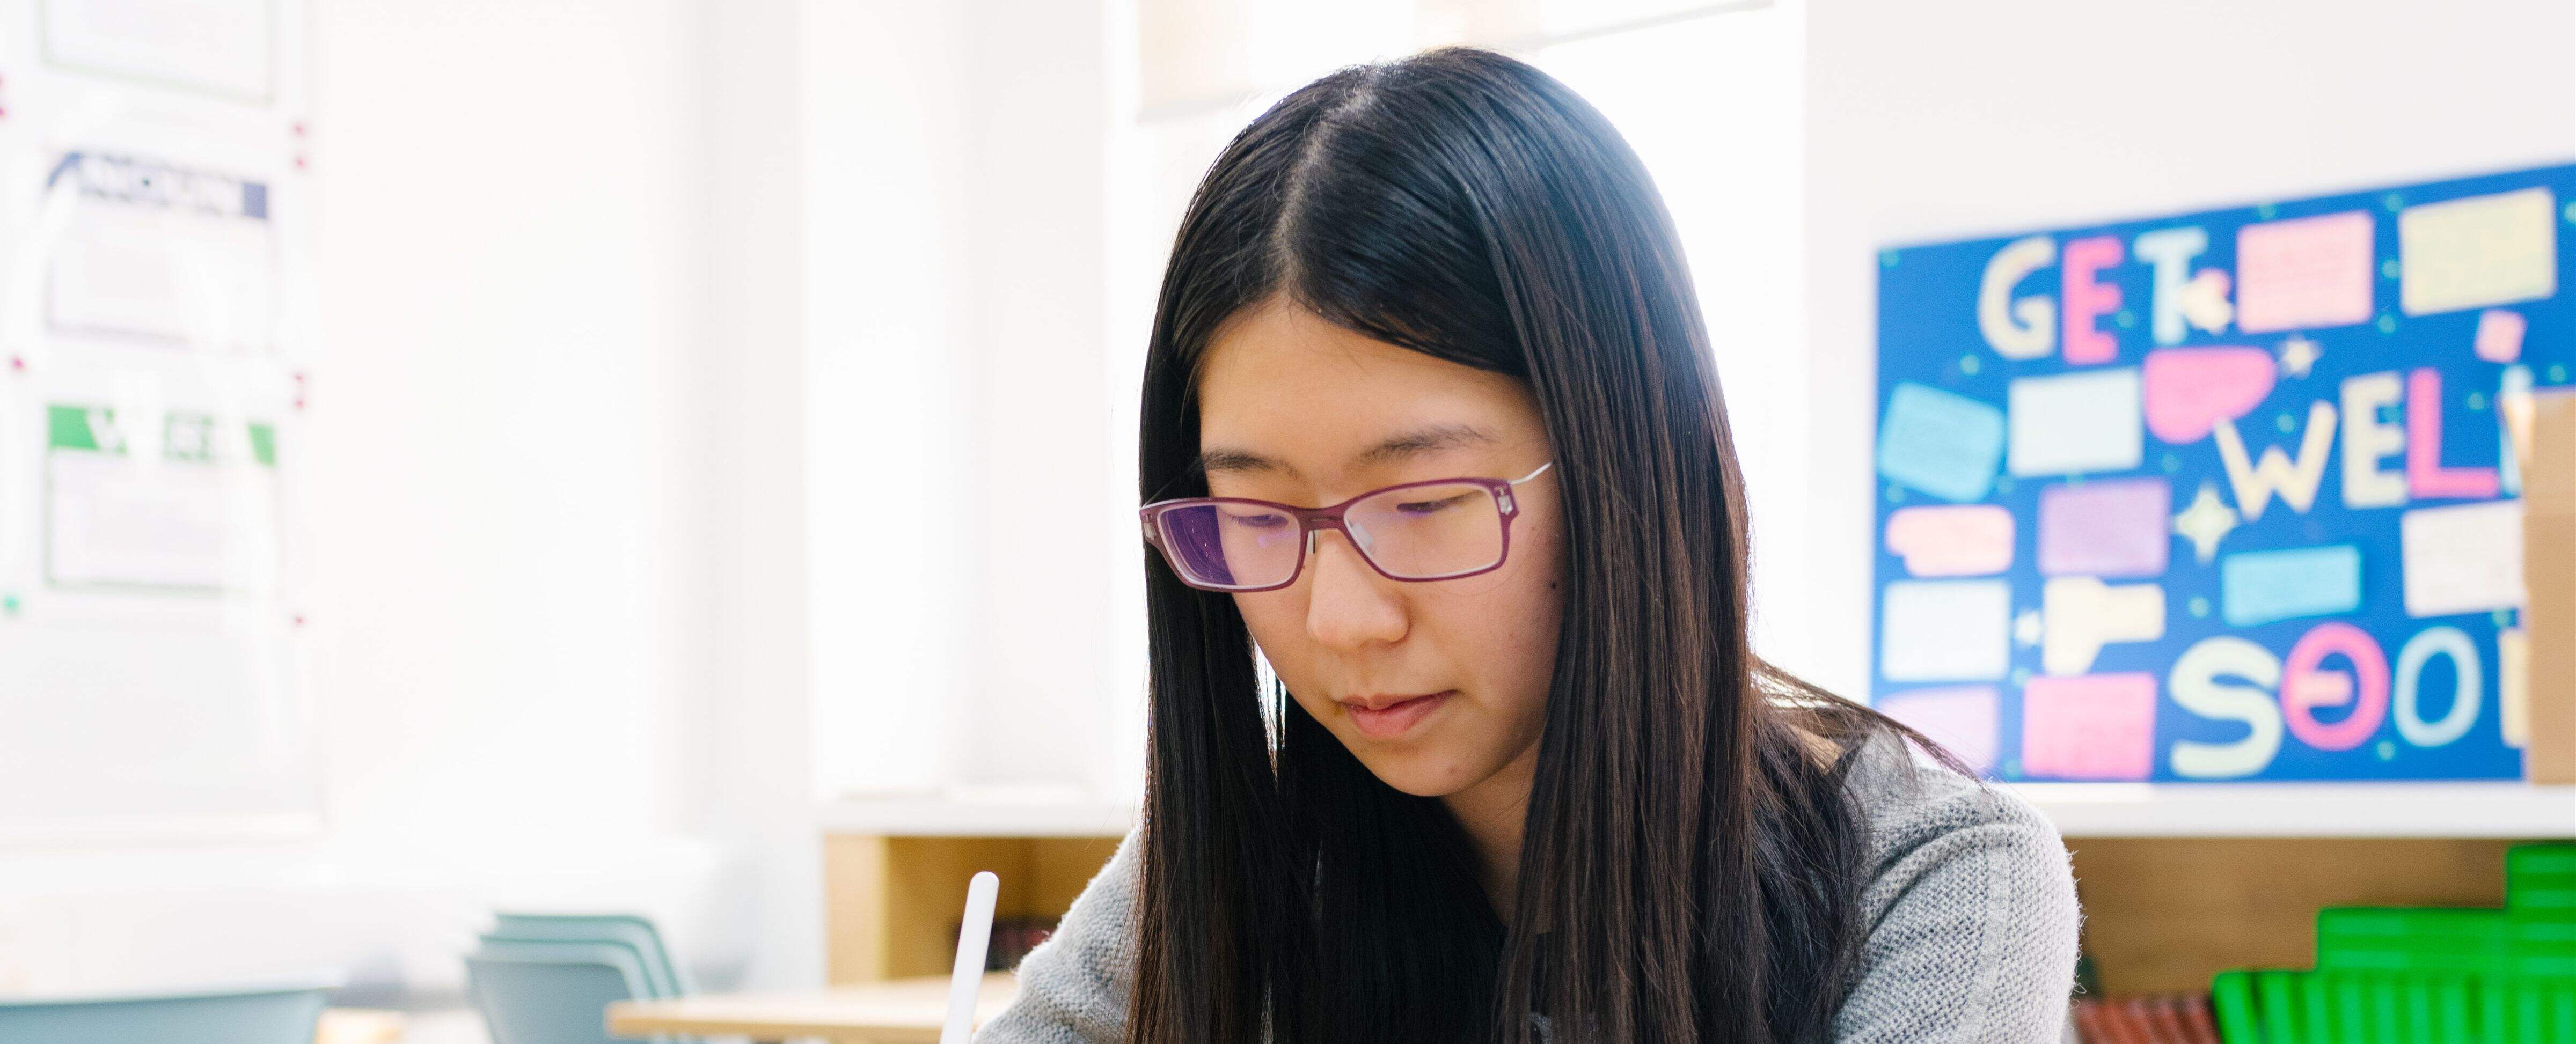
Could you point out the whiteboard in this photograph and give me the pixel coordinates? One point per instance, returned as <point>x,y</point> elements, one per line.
<point>155,353</point>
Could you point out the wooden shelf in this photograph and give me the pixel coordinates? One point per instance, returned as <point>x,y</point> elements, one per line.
<point>2178,880</point>
<point>2163,914</point>
<point>2293,810</point>
<point>2392,810</point>
<point>974,816</point>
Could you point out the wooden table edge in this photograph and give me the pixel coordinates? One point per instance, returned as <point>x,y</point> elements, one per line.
<point>638,1019</point>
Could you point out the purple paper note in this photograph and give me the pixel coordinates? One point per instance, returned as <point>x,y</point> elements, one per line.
<point>1959,717</point>
<point>2115,528</point>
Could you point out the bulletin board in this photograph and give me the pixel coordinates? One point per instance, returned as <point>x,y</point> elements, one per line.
<point>156,350</point>
<point>2226,495</point>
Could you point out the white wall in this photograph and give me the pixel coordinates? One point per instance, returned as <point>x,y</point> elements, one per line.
<point>559,615</point>
<point>886,391</point>
<point>1982,117</point>
<point>963,503</point>
<point>1042,91</point>
<point>638,315</point>
<point>506,421</point>
<point>756,770</point>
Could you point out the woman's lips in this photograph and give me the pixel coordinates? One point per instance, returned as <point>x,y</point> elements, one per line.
<point>1392,720</point>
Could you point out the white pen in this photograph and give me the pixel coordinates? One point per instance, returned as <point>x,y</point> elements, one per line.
<point>972,937</point>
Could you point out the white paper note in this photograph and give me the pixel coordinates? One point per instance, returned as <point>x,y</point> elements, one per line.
<point>1945,630</point>
<point>2086,421</point>
<point>2466,558</point>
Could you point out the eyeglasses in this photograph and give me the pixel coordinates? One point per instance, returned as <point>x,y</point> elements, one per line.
<point>1438,529</point>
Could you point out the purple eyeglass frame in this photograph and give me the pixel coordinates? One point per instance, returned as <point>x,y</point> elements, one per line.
<point>1313,520</point>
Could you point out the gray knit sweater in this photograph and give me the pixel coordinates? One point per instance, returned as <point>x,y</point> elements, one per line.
<point>1970,909</point>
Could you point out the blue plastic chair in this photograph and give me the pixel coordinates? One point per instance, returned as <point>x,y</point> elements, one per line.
<point>552,992</point>
<point>626,929</point>
<point>275,1012</point>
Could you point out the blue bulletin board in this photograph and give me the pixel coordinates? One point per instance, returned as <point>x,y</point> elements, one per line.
<point>2224,495</point>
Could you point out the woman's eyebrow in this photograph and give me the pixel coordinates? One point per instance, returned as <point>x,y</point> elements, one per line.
<point>1418,442</point>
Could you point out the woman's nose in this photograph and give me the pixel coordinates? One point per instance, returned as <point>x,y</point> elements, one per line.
<point>1348,604</point>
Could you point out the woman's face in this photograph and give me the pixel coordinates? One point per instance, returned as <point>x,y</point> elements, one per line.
<point>1290,408</point>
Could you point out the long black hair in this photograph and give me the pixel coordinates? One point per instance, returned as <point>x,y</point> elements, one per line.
<point>1688,871</point>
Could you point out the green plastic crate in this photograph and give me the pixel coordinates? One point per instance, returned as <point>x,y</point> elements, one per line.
<point>2410,975</point>
<point>2542,948</point>
<point>2329,1007</point>
<point>2540,881</point>
<point>2442,941</point>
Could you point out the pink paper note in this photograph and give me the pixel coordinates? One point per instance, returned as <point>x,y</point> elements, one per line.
<point>2304,273</point>
<point>1945,540</point>
<point>2189,390</point>
<point>1961,718</point>
<point>2500,335</point>
<point>2113,528</point>
<point>2085,299</point>
<point>2091,726</point>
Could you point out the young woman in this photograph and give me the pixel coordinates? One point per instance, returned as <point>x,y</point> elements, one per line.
<point>1429,342</point>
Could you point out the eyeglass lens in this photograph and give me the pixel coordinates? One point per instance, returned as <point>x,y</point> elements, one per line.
<point>1417,533</point>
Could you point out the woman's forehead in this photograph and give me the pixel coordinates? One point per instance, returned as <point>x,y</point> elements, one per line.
<point>1283,349</point>
<point>1424,441</point>
<point>1286,386</point>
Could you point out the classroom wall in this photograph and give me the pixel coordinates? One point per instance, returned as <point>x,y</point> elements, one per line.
<point>755,771</point>
<point>886,391</point>
<point>652,331</point>
<point>559,616</point>
<point>956,411</point>
<point>2038,112</point>
<point>1042,90</point>
<point>507,417</point>
<point>632,307</point>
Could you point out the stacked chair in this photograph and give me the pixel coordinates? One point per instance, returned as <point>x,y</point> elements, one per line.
<point>2427,975</point>
<point>283,1012</point>
<point>549,978</point>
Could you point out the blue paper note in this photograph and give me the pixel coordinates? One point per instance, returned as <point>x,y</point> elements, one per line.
<point>1943,444</point>
<point>2257,587</point>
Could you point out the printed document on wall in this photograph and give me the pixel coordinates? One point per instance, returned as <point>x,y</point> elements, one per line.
<point>218,46</point>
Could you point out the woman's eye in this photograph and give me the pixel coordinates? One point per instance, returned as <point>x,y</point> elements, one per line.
<point>1425,507</point>
<point>1270,520</point>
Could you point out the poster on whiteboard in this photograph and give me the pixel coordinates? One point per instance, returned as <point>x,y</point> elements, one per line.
<point>2225,495</point>
<point>222,47</point>
<point>192,511</point>
<point>161,251</point>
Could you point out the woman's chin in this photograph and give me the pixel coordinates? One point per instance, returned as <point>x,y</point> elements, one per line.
<point>1420,775</point>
